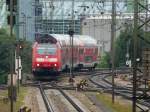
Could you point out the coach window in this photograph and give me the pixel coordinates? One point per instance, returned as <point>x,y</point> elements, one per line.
<point>75,50</point>
<point>66,50</point>
<point>96,50</point>
<point>81,51</point>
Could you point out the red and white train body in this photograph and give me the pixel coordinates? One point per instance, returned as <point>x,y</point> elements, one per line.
<point>55,53</point>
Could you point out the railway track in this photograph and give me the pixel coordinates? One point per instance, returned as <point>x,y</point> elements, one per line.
<point>76,106</point>
<point>3,87</point>
<point>49,104</point>
<point>45,99</point>
<point>126,92</point>
<point>103,85</point>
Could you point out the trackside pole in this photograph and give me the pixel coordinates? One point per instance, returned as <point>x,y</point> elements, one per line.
<point>11,59</point>
<point>71,32</point>
<point>113,34</point>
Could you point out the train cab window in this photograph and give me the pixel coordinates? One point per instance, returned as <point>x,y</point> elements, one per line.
<point>48,51</point>
<point>81,51</point>
<point>51,51</point>
<point>40,51</point>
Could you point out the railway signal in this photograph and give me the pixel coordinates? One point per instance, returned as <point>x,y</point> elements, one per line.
<point>11,18</point>
<point>18,67</point>
<point>20,45</point>
<point>12,8</point>
<point>8,20</point>
<point>11,5</point>
<point>71,33</point>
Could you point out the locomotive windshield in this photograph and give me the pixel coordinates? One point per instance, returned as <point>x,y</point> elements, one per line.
<point>48,50</point>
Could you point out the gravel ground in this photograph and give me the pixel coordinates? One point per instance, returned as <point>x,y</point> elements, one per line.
<point>58,102</point>
<point>65,81</point>
<point>81,95</point>
<point>121,82</point>
<point>86,101</point>
<point>34,100</point>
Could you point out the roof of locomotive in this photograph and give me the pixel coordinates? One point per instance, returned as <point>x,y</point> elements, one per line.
<point>82,40</point>
<point>42,45</point>
<point>65,39</point>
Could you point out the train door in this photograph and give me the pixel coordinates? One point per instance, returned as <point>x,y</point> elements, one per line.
<point>88,55</point>
<point>95,54</point>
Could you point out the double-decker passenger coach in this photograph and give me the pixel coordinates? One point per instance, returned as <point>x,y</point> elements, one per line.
<point>53,53</point>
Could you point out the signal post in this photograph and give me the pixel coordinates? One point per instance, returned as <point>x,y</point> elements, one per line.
<point>12,8</point>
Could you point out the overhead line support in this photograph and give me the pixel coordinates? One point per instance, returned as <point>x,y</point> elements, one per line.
<point>113,34</point>
<point>135,37</point>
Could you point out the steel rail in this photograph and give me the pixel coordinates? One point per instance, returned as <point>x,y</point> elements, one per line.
<point>47,103</point>
<point>71,101</point>
<point>125,92</point>
<point>45,98</point>
<point>68,98</point>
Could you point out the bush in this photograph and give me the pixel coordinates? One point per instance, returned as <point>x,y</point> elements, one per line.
<point>104,61</point>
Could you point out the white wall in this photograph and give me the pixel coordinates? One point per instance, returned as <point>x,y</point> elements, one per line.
<point>100,29</point>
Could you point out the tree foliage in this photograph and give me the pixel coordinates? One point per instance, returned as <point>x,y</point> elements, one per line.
<point>7,45</point>
<point>124,43</point>
<point>121,45</point>
<point>104,61</point>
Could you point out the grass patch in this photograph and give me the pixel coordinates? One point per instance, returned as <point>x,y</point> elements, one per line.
<point>20,100</point>
<point>118,106</point>
<point>5,107</point>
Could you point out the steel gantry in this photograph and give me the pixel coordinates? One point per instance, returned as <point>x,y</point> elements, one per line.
<point>140,23</point>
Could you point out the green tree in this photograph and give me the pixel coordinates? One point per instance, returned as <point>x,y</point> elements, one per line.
<point>121,48</point>
<point>6,44</point>
<point>104,61</point>
<point>124,44</point>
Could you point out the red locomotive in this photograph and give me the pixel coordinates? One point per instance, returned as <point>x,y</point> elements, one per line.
<point>53,52</point>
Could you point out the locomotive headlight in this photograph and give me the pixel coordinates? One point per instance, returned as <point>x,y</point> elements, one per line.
<point>40,59</point>
<point>38,65</point>
<point>52,59</point>
<point>55,65</point>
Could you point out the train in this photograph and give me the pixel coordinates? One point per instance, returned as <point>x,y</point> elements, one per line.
<point>53,53</point>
